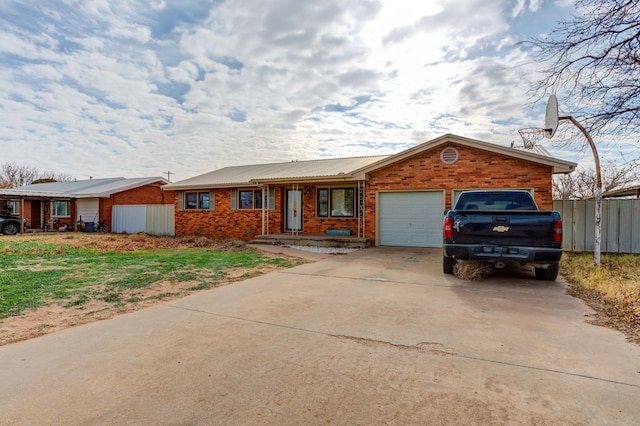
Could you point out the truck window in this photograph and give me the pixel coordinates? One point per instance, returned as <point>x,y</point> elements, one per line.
<point>495,201</point>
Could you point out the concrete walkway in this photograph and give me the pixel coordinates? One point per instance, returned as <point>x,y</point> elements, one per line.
<point>378,336</point>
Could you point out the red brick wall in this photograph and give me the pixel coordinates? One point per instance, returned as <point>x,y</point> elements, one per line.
<point>319,225</point>
<point>223,222</point>
<point>474,169</point>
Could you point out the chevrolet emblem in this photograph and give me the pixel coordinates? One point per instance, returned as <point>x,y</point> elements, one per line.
<point>500,228</point>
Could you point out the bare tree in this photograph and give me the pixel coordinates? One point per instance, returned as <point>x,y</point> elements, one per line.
<point>595,57</point>
<point>49,176</point>
<point>13,176</point>
<point>581,184</point>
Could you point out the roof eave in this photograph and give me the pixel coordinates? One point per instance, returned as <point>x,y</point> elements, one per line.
<point>342,177</point>
<point>186,187</point>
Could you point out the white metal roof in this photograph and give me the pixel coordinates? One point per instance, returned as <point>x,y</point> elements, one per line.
<point>13,192</point>
<point>536,149</point>
<point>92,188</point>
<point>250,175</point>
<point>351,168</point>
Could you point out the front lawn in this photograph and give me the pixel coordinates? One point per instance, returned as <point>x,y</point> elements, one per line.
<point>84,274</point>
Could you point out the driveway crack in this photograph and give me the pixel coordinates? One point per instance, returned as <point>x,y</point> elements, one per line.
<point>423,347</point>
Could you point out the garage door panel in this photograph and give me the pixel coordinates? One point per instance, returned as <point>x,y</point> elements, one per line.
<point>87,209</point>
<point>411,218</point>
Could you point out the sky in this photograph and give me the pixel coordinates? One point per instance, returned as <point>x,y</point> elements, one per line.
<point>107,88</point>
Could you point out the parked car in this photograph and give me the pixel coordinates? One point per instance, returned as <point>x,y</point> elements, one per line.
<point>500,227</point>
<point>10,225</point>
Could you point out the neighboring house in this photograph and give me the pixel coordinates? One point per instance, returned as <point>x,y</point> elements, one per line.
<point>50,205</point>
<point>390,200</point>
<point>629,192</point>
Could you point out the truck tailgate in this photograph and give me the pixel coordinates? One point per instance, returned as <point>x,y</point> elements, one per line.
<point>530,228</point>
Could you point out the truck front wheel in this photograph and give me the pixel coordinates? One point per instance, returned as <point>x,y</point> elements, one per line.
<point>549,273</point>
<point>448,264</point>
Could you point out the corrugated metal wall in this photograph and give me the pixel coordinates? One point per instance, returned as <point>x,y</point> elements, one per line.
<point>153,219</point>
<point>161,219</point>
<point>620,225</point>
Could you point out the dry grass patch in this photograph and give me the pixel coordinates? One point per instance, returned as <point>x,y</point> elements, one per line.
<point>613,290</point>
<point>472,269</point>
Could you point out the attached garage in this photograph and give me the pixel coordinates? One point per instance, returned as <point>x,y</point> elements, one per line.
<point>410,218</point>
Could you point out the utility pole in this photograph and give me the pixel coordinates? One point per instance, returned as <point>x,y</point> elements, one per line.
<point>169,173</point>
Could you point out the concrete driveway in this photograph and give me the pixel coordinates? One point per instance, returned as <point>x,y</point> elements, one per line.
<point>379,336</point>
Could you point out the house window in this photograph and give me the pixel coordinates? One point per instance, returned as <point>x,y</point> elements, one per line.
<point>323,202</point>
<point>197,200</point>
<point>250,199</point>
<point>12,207</point>
<point>61,209</point>
<point>336,202</point>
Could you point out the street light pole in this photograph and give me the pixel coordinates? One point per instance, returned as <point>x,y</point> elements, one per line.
<point>598,235</point>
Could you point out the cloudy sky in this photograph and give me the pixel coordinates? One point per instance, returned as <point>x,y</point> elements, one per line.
<point>131,88</point>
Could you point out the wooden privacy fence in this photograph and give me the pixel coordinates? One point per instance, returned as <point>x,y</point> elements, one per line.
<point>620,225</point>
<point>153,219</point>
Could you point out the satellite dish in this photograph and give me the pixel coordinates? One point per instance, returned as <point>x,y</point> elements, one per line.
<point>551,117</point>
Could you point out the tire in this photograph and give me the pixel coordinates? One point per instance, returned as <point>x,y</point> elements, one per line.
<point>10,228</point>
<point>447,265</point>
<point>104,228</point>
<point>548,274</point>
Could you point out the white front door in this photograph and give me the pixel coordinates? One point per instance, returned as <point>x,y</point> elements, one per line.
<point>294,210</point>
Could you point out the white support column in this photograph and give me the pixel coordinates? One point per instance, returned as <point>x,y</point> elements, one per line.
<point>361,209</point>
<point>265,209</point>
<point>296,206</point>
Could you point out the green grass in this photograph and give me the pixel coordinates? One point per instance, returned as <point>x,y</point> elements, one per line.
<point>33,273</point>
<point>613,289</point>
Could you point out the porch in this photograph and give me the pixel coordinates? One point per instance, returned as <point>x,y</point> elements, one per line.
<point>313,240</point>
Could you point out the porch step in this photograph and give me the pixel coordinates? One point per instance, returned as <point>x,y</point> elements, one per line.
<point>313,240</point>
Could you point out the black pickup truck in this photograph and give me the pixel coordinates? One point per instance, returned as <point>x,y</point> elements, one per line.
<point>10,225</point>
<point>501,227</point>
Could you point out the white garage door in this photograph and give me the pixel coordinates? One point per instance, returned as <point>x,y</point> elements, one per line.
<point>88,209</point>
<point>411,219</point>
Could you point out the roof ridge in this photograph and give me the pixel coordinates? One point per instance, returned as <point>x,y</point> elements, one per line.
<point>308,161</point>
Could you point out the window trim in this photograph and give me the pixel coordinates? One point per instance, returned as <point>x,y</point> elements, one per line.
<point>53,210</point>
<point>254,199</point>
<point>235,198</point>
<point>183,204</point>
<point>330,203</point>
<point>13,207</point>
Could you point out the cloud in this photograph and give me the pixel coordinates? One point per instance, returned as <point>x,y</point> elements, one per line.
<point>140,88</point>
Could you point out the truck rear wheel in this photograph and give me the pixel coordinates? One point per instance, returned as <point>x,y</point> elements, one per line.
<point>448,264</point>
<point>548,274</point>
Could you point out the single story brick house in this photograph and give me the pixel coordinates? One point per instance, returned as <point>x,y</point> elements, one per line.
<point>393,200</point>
<point>51,205</point>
